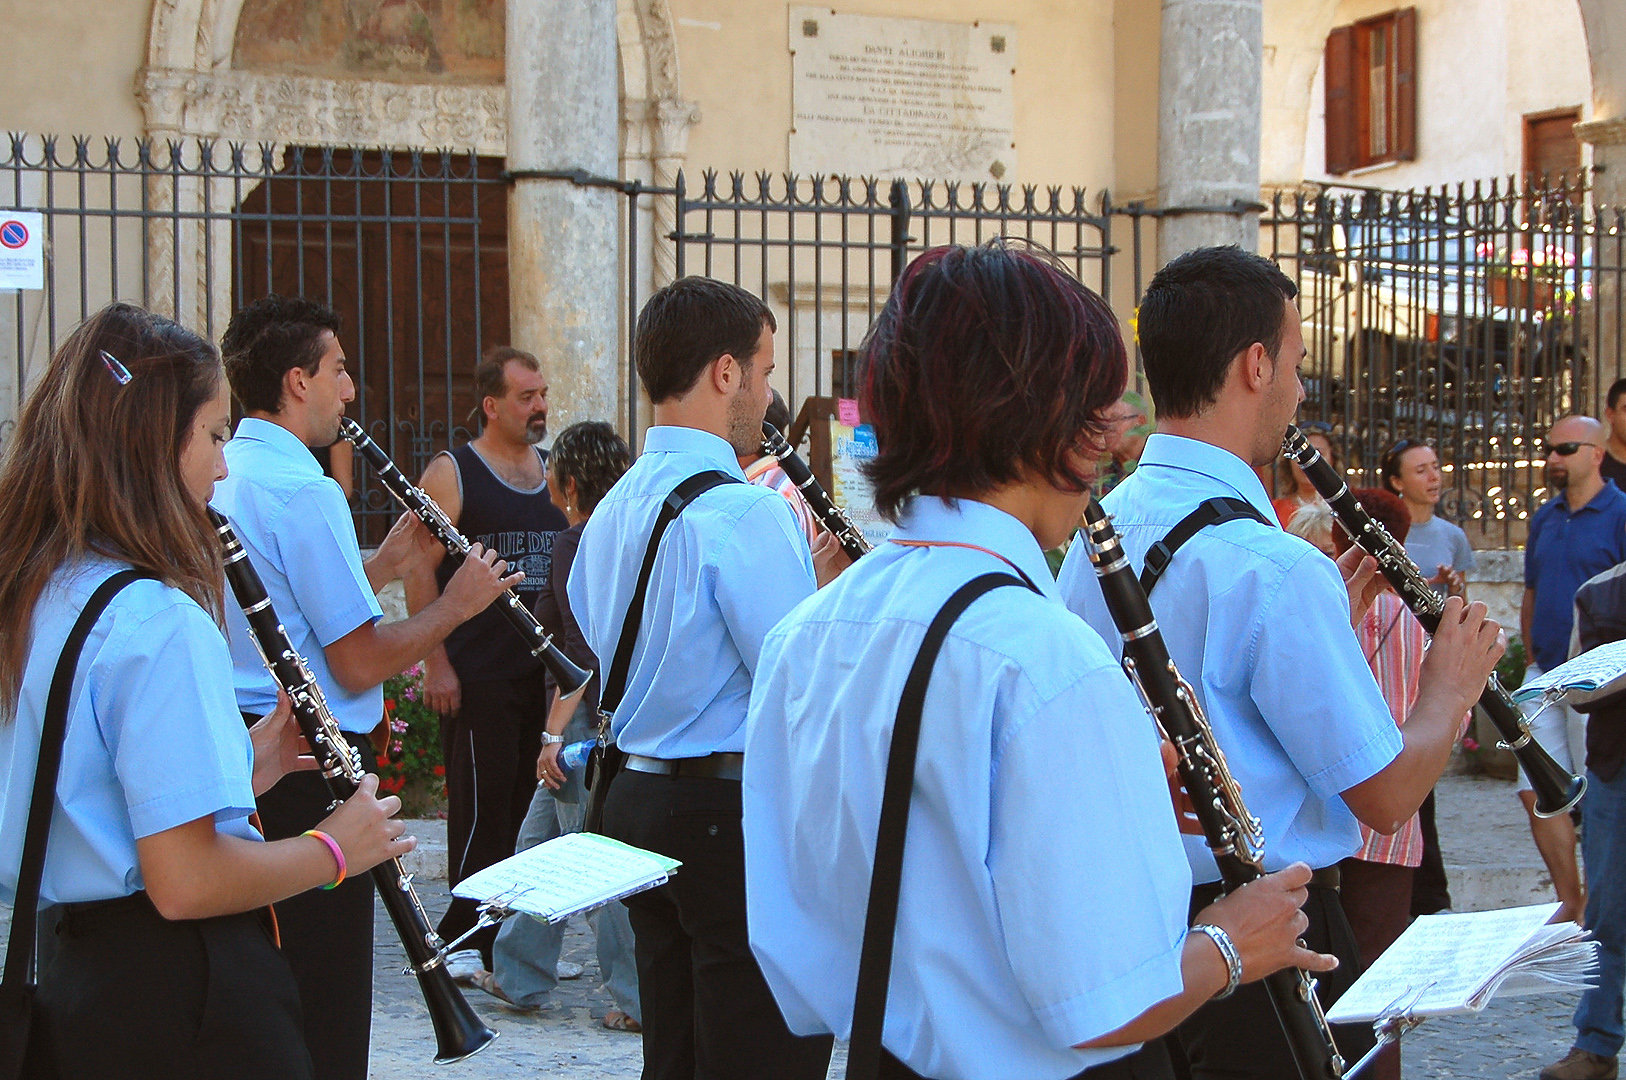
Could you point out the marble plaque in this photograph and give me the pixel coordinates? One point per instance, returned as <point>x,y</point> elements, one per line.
<point>902,97</point>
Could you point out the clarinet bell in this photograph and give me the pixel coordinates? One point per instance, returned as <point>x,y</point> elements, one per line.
<point>459,1031</point>
<point>570,676</point>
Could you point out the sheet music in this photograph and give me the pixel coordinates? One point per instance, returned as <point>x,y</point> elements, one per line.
<point>1446,961</point>
<point>1587,672</point>
<point>567,874</point>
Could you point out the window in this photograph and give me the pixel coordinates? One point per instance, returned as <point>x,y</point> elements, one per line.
<point>1371,91</point>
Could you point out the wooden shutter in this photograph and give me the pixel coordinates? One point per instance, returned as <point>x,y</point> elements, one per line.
<point>1406,84</point>
<point>1342,153</point>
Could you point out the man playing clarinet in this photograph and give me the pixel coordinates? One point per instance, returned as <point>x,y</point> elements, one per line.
<point>1260,622</point>
<point>286,368</point>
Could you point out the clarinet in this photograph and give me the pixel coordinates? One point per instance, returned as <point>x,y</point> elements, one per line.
<point>1233,834</point>
<point>459,1032</point>
<point>1556,789</point>
<point>824,508</point>
<point>566,674</point>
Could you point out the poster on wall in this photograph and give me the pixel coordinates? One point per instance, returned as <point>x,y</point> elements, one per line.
<point>915,98</point>
<point>852,444</point>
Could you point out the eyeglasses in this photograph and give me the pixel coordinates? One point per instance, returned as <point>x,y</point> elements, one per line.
<point>1563,449</point>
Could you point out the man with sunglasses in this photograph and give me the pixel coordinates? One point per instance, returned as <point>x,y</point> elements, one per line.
<point>1579,533</point>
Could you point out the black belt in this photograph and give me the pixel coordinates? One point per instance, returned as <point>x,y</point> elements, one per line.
<point>712,766</point>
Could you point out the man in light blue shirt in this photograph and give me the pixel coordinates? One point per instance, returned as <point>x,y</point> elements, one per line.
<point>1260,622</point>
<point>1041,929</point>
<point>730,566</point>
<point>286,368</point>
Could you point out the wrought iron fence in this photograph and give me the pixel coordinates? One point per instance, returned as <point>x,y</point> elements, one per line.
<point>408,247</point>
<point>1471,317</point>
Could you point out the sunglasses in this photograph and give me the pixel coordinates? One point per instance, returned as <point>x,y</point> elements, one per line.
<point>1315,427</point>
<point>1563,449</point>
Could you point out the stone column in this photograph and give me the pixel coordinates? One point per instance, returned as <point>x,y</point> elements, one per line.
<point>1209,94</point>
<point>1600,318</point>
<point>564,239</point>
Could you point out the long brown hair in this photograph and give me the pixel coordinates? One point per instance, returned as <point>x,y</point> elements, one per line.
<point>93,465</point>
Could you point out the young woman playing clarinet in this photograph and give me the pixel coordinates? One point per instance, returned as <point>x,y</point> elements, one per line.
<point>1041,927</point>
<point>164,961</point>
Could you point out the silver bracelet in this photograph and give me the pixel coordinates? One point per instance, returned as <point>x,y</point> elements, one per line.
<point>1233,959</point>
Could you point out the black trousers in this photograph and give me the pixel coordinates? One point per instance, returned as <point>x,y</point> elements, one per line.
<point>1240,1036</point>
<point>129,993</point>
<point>490,747</point>
<point>1430,891</point>
<point>327,935</point>
<point>707,1010</point>
<point>1150,1062</point>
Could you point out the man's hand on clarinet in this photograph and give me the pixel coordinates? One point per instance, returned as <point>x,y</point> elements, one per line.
<point>829,558</point>
<point>407,543</point>
<point>1461,657</point>
<point>1265,920</point>
<point>1360,573</point>
<point>481,579</point>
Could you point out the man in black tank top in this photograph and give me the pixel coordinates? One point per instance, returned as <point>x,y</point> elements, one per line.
<point>491,693</point>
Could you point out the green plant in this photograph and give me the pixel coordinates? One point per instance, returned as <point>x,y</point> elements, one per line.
<point>1510,668</point>
<point>414,756</point>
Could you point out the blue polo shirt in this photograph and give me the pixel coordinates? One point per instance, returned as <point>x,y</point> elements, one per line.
<point>1564,549</point>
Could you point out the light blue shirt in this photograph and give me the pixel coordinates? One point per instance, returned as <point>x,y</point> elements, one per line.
<point>296,528</point>
<point>1258,620</point>
<point>1045,891</point>
<point>153,741</point>
<point>731,565</point>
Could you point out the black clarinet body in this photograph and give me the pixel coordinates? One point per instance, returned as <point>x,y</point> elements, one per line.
<point>1232,833</point>
<point>459,1032</point>
<point>824,508</point>
<point>565,672</point>
<point>1556,789</point>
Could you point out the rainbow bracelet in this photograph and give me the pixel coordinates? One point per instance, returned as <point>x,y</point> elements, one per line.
<point>338,854</point>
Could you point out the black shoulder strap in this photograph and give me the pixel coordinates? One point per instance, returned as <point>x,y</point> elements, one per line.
<point>881,919</point>
<point>615,684</point>
<point>20,948</point>
<point>1212,512</point>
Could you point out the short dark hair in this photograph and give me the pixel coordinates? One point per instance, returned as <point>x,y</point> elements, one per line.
<point>1198,313</point>
<point>1389,509</point>
<point>1616,389</point>
<point>594,456</point>
<point>491,379</point>
<point>268,338</point>
<point>985,363</point>
<point>689,324</point>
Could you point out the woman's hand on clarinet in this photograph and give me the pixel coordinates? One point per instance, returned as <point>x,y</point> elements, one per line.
<point>279,748</point>
<point>366,829</point>
<point>482,578</point>
<point>1264,919</point>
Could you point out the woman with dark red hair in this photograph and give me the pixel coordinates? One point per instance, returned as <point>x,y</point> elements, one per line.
<point>1041,926</point>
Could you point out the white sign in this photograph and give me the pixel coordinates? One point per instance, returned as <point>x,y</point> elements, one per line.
<point>902,97</point>
<point>22,250</point>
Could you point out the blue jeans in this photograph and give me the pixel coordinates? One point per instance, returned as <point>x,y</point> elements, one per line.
<point>1603,846</point>
<point>525,958</point>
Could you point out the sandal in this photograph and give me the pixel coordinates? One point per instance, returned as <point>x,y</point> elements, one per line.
<point>488,982</point>
<point>616,1020</point>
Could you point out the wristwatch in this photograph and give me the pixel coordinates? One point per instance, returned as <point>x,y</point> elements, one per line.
<point>549,740</point>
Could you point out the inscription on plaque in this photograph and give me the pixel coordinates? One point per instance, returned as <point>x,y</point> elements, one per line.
<point>902,97</point>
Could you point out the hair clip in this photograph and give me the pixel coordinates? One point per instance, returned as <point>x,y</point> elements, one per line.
<point>120,373</point>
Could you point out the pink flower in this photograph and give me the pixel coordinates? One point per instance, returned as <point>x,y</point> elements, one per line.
<point>398,726</point>
<point>1470,744</point>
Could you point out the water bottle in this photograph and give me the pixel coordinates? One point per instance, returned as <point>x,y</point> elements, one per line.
<point>575,755</point>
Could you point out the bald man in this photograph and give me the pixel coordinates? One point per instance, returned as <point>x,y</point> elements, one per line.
<point>1575,535</point>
